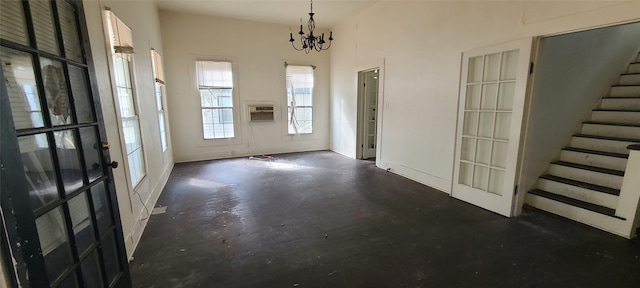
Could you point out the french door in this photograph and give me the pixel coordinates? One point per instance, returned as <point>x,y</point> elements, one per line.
<point>490,114</point>
<point>59,210</point>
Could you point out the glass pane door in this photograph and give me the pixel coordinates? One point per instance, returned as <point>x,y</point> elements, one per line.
<point>488,104</point>
<point>67,228</point>
<point>492,94</point>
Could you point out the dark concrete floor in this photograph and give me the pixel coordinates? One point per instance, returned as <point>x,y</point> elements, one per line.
<point>323,220</point>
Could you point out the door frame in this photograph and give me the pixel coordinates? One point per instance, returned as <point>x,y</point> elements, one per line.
<point>372,65</point>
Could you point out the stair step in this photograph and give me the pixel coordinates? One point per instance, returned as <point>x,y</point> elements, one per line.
<point>620,103</point>
<point>574,202</point>
<point>588,174</point>
<point>620,130</point>
<point>634,67</point>
<point>618,116</point>
<point>580,184</point>
<point>629,79</point>
<point>625,91</point>
<point>595,158</point>
<point>615,224</point>
<point>607,144</point>
<point>578,193</point>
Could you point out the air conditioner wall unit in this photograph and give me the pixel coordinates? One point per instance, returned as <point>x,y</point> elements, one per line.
<point>261,112</point>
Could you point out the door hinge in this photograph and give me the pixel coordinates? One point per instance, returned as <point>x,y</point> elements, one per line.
<point>530,68</point>
<point>515,190</point>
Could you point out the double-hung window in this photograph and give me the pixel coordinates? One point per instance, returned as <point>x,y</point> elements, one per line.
<point>122,53</point>
<point>215,86</point>
<point>299,99</point>
<point>158,74</point>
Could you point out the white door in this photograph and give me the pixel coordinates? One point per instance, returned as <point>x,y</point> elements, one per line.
<point>370,113</point>
<point>490,114</point>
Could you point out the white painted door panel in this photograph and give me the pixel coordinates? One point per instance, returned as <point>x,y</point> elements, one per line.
<point>491,108</point>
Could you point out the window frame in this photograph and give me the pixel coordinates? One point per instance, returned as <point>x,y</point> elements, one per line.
<point>234,100</point>
<point>127,54</point>
<point>160,94</point>
<point>288,103</point>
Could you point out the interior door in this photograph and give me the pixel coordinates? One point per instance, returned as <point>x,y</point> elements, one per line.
<point>58,197</point>
<point>370,114</point>
<point>490,114</point>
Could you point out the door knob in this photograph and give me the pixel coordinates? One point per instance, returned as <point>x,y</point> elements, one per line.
<point>113,164</point>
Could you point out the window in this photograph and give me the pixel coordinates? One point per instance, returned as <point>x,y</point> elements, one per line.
<point>299,99</point>
<point>215,86</point>
<point>122,53</point>
<point>158,74</point>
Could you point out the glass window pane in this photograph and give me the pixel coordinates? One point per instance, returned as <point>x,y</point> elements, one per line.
<point>13,26</point>
<point>474,75</point>
<point>491,67</point>
<point>91,149</point>
<point>466,174</point>
<point>122,70</point>
<point>489,92</point>
<point>159,92</point>
<point>38,169</point>
<point>110,257</point>
<point>503,125</point>
<point>485,125</point>
<point>91,271</point>
<point>70,282</point>
<point>81,95</point>
<point>136,166</point>
<point>480,177</point>
<point>163,137</point>
<point>54,243</point>
<point>46,37</point>
<point>69,159</point>
<point>82,228</point>
<point>131,132</point>
<point>472,101</point>
<point>499,154</point>
<point>71,41</point>
<point>125,99</point>
<point>22,88</point>
<point>509,65</point>
<point>496,180</point>
<point>470,125</point>
<point>483,152</point>
<point>101,207</point>
<point>468,149</point>
<point>55,89</point>
<point>505,96</point>
<point>228,130</point>
<point>208,131</point>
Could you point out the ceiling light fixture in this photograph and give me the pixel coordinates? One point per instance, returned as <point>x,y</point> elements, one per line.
<point>310,42</point>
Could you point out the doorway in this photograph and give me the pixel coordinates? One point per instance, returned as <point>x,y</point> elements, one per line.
<point>58,201</point>
<point>368,113</point>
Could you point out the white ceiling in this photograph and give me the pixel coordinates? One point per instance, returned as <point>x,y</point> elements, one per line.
<point>328,13</point>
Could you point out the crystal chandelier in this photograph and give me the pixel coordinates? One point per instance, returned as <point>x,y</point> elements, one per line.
<point>310,41</point>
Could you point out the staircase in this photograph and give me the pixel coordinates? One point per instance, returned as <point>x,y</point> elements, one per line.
<point>584,184</point>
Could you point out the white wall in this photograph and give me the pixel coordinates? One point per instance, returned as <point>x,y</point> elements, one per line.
<point>142,17</point>
<point>258,51</point>
<point>572,72</point>
<point>421,44</point>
